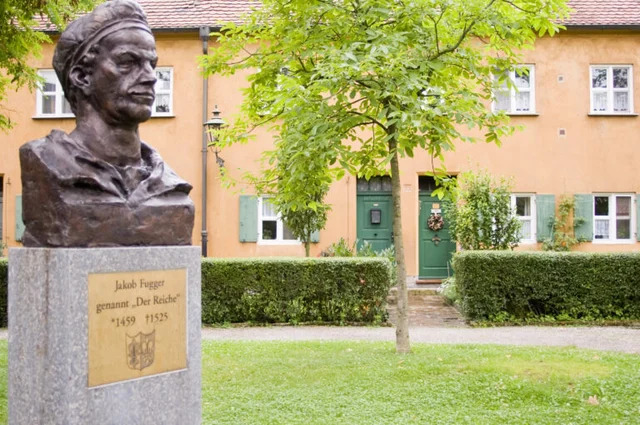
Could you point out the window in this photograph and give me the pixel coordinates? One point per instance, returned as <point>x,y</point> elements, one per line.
<point>163,105</point>
<point>515,91</point>
<point>611,89</point>
<point>50,101</point>
<point>374,184</point>
<point>524,209</point>
<point>271,229</point>
<point>613,217</point>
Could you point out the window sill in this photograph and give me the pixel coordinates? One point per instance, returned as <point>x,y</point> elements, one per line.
<point>53,117</point>
<point>591,114</point>
<point>163,116</point>
<point>280,243</point>
<point>613,241</point>
<point>522,114</point>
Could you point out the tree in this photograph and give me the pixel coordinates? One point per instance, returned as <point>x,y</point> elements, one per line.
<point>304,222</point>
<point>301,185</point>
<point>20,38</point>
<point>365,82</point>
<point>480,214</point>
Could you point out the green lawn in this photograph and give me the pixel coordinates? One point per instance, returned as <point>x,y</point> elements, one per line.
<point>367,383</point>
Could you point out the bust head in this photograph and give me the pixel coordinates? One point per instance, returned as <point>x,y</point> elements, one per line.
<point>105,62</point>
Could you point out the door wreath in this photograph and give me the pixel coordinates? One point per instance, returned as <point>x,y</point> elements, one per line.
<point>435,222</point>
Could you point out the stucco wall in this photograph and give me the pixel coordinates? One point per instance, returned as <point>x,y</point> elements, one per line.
<point>597,154</point>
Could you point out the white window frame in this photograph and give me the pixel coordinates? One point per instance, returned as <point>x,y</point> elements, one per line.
<point>169,91</point>
<point>532,218</point>
<point>513,91</point>
<point>279,240</point>
<point>59,94</point>
<point>610,90</point>
<point>612,218</point>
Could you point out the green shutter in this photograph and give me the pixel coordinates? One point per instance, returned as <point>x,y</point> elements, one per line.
<point>315,236</point>
<point>545,214</point>
<point>19,222</point>
<point>638,217</point>
<point>584,210</point>
<point>248,218</point>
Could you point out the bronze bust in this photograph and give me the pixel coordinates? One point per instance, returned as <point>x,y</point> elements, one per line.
<point>101,185</point>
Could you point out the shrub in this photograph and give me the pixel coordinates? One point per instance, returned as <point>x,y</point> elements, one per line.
<point>449,290</point>
<point>343,249</point>
<point>295,290</point>
<point>561,285</point>
<point>480,214</point>
<point>340,249</point>
<point>4,282</point>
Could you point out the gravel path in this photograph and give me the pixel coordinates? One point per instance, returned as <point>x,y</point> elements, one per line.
<point>626,340</point>
<point>622,339</point>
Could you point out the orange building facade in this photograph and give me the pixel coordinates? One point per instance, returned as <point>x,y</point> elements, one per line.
<point>577,105</point>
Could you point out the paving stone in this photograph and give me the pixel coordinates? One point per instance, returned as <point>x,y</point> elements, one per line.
<point>426,308</point>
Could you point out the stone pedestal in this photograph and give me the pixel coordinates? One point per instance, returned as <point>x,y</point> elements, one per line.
<point>107,336</point>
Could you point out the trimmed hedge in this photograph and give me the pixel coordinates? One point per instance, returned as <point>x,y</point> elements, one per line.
<point>295,290</point>
<point>291,290</point>
<point>563,285</point>
<point>4,283</point>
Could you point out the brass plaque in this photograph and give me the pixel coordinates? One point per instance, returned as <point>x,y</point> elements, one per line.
<point>137,324</point>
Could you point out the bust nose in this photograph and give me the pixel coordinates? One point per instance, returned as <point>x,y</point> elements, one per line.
<point>148,75</point>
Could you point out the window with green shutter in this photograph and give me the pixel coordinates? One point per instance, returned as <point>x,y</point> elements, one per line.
<point>584,210</point>
<point>248,218</point>
<point>522,207</point>
<point>613,217</point>
<point>19,222</point>
<point>545,214</point>
<point>260,222</point>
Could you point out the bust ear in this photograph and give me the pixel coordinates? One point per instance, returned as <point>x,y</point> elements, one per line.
<point>80,78</point>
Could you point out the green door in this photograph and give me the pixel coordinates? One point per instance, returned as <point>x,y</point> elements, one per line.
<point>436,247</point>
<point>374,222</point>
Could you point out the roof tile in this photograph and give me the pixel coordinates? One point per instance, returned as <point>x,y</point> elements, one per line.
<point>192,14</point>
<point>177,14</point>
<point>604,13</point>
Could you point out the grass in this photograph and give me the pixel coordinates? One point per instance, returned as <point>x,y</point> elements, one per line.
<point>367,383</point>
<point>363,383</point>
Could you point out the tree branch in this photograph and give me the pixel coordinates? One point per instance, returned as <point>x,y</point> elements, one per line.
<point>519,7</point>
<point>463,35</point>
<point>370,118</point>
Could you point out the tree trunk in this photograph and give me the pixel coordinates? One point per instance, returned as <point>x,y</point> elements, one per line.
<point>307,248</point>
<point>403,345</point>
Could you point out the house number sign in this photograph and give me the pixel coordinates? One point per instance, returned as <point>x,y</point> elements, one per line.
<point>137,324</point>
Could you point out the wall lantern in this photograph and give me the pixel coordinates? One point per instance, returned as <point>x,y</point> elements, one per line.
<point>214,124</point>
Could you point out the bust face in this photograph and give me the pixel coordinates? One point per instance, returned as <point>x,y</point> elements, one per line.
<point>123,77</point>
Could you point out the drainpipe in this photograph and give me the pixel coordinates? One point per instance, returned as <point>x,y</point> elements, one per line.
<point>204,36</point>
